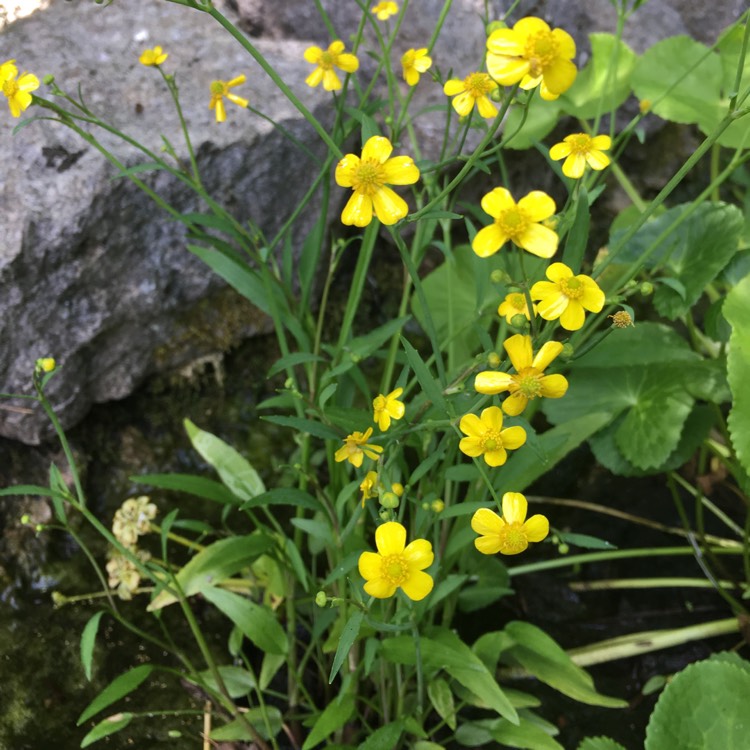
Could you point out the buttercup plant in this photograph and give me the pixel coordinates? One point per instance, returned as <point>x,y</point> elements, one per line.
<point>370,646</point>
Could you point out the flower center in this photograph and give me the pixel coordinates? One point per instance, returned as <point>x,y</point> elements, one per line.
<point>368,179</point>
<point>491,441</point>
<point>513,222</point>
<point>395,569</point>
<point>10,88</point>
<point>477,85</point>
<point>580,144</point>
<point>518,302</point>
<point>541,51</point>
<point>528,382</point>
<point>219,88</point>
<point>513,539</point>
<point>572,288</point>
<point>327,60</point>
<point>379,403</point>
<point>408,59</point>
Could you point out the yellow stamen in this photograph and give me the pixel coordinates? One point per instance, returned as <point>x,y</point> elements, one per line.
<point>572,288</point>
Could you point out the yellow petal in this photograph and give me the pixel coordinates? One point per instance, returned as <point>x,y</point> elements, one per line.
<point>537,205</point>
<point>573,316</point>
<point>357,211</point>
<point>530,25</point>
<point>411,76</point>
<point>389,207</point>
<point>553,305</point>
<point>417,585</point>
<point>312,54</point>
<point>221,113</point>
<point>486,107</point>
<point>514,507</point>
<point>505,42</point>
<point>497,201</point>
<point>471,446</point>
<point>539,240</point>
<point>559,151</point>
<point>345,170</point>
<point>236,81</point>
<point>348,63</point>
<point>315,77</point>
<point>238,100</point>
<point>566,46</point>
<point>496,458</point>
<point>401,170</point>
<point>597,160</point>
<point>492,418</point>
<point>507,70</point>
<point>453,86</point>
<point>471,425</point>
<point>370,565</point>
<point>601,142</point>
<point>593,297</point>
<point>554,386</point>
<point>536,528</point>
<point>513,437</point>
<point>390,538</point>
<point>380,588</point>
<point>490,382</point>
<point>419,554</point>
<point>486,522</point>
<point>559,76</point>
<point>336,47</point>
<point>546,354</point>
<point>488,241</point>
<point>574,166</point>
<point>557,271</point>
<point>422,62</point>
<point>515,404</point>
<point>377,148</point>
<point>519,351</point>
<point>463,103</point>
<point>488,545</point>
<point>331,82</point>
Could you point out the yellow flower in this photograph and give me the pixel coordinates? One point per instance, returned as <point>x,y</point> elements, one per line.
<point>355,448</point>
<point>515,304</point>
<point>566,296</point>
<point>414,62</point>
<point>369,486</point>
<point>17,91</point>
<point>533,54</point>
<point>219,90</point>
<point>518,222</point>
<point>578,150</point>
<point>153,57</point>
<point>327,60</point>
<point>474,89</point>
<point>512,533</point>
<point>396,565</point>
<point>486,436</point>
<point>387,408</point>
<point>384,10</point>
<point>529,380</point>
<point>368,177</point>
<point>46,364</point>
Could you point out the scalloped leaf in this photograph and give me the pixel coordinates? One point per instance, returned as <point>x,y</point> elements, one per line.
<point>599,743</point>
<point>704,706</point>
<point>737,312</point>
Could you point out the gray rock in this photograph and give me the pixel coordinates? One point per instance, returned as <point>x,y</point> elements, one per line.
<point>92,272</point>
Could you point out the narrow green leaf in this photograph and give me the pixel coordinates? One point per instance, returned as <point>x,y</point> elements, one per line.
<point>585,540</point>
<point>284,496</point>
<point>430,386</point>
<point>190,484</point>
<point>293,359</point>
<point>441,697</point>
<point>369,343</point>
<point>235,471</point>
<point>305,426</point>
<point>59,490</point>
<point>578,236</point>
<point>238,681</point>
<point>334,716</point>
<point>257,622</point>
<point>121,686</point>
<point>348,636</point>
<point>384,738</point>
<point>220,560</point>
<point>88,640</point>
<point>237,730</point>
<point>106,727</point>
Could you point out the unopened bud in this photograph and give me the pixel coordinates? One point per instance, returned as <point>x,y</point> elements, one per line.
<point>48,80</point>
<point>567,351</point>
<point>563,548</point>
<point>499,276</point>
<point>389,500</point>
<point>46,364</point>
<point>495,26</point>
<point>647,288</point>
<point>321,599</point>
<point>519,320</point>
<point>25,518</point>
<point>644,105</point>
<point>437,506</point>
<point>493,359</point>
<point>397,488</point>
<point>385,514</point>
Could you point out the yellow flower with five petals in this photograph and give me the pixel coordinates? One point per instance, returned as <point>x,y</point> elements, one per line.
<point>514,304</point>
<point>529,380</point>
<point>566,296</point>
<point>326,61</point>
<point>17,88</point>
<point>580,149</point>
<point>397,565</point>
<point>474,89</point>
<point>153,57</point>
<point>356,447</point>
<point>369,177</point>
<point>518,222</point>
<point>511,534</point>
<point>387,407</point>
<point>531,54</point>
<point>384,10</point>
<point>413,63</point>
<point>219,90</point>
<point>486,437</point>
<point>369,486</point>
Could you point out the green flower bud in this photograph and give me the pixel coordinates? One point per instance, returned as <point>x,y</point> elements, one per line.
<point>563,548</point>
<point>48,80</point>
<point>174,734</point>
<point>647,288</point>
<point>500,277</point>
<point>495,25</point>
<point>567,351</point>
<point>25,518</point>
<point>321,599</point>
<point>519,321</point>
<point>493,359</point>
<point>389,500</point>
<point>437,506</point>
<point>385,514</point>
